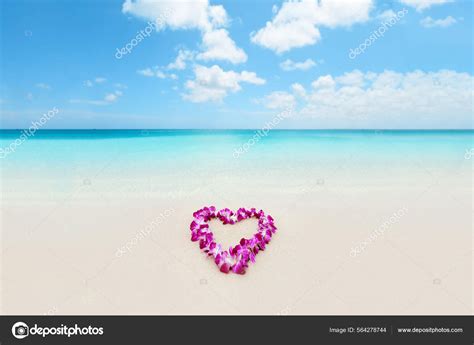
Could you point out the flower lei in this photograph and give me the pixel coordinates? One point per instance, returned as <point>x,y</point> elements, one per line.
<point>237,258</point>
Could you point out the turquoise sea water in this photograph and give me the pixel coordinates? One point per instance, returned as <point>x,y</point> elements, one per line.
<point>164,164</point>
<point>195,149</point>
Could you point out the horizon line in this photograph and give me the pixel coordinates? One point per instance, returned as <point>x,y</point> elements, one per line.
<point>240,129</point>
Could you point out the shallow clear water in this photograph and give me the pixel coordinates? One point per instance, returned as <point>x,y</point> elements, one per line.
<point>282,159</point>
<point>66,146</point>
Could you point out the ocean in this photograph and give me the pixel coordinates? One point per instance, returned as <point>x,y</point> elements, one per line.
<point>229,147</point>
<point>241,159</point>
<point>359,214</point>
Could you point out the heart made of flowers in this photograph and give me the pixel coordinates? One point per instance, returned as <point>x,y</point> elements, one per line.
<point>237,258</point>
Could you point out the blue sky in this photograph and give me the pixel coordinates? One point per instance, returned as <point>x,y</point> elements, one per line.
<point>241,63</point>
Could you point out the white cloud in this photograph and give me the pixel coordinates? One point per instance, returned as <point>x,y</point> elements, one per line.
<point>298,90</point>
<point>109,98</point>
<point>147,72</point>
<point>188,15</point>
<point>156,72</point>
<point>213,83</point>
<point>43,86</point>
<point>429,22</point>
<point>251,77</point>
<point>417,99</point>
<point>219,46</point>
<point>87,101</point>
<point>421,5</point>
<point>296,22</point>
<point>173,14</point>
<point>334,13</point>
<point>218,16</point>
<point>180,61</point>
<point>323,82</point>
<point>290,65</point>
<point>386,15</point>
<point>279,100</point>
<point>285,36</point>
<point>354,78</point>
<point>97,80</point>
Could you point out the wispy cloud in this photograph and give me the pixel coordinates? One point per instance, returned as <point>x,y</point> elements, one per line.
<point>180,62</point>
<point>429,22</point>
<point>109,98</point>
<point>421,5</point>
<point>43,86</point>
<point>290,65</point>
<point>386,15</point>
<point>97,80</point>
<point>156,72</point>
<point>278,100</point>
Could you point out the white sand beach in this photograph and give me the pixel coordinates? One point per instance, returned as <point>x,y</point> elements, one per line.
<point>60,250</point>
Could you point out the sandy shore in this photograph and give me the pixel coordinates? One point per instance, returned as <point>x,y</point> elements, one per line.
<point>71,245</point>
